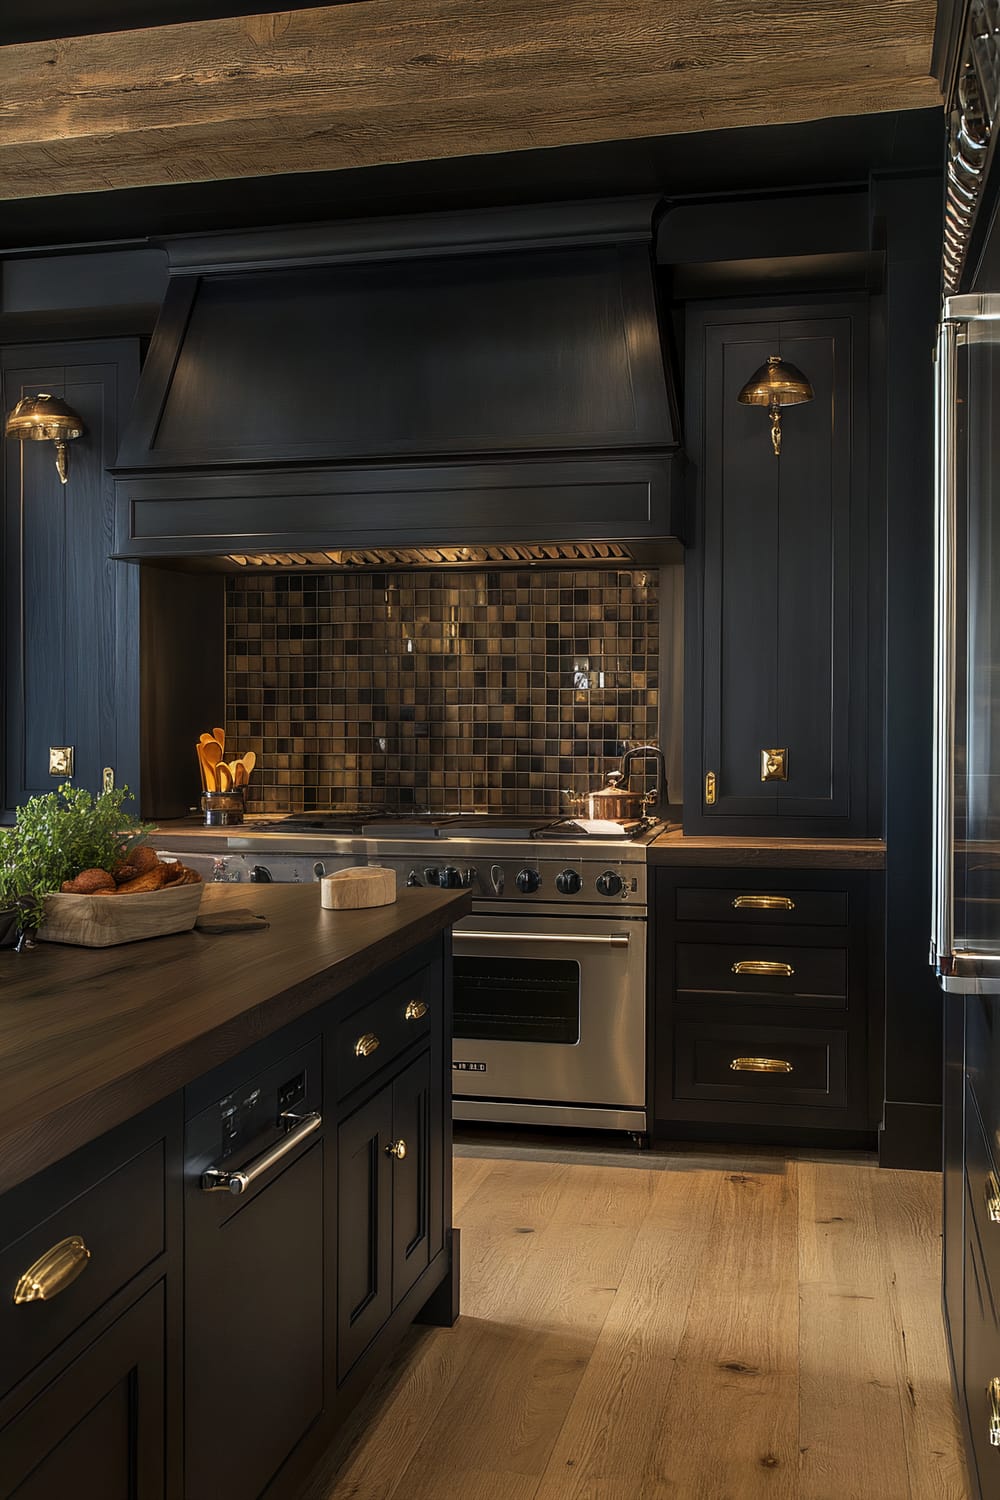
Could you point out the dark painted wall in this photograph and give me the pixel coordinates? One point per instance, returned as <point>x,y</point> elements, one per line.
<point>907,212</point>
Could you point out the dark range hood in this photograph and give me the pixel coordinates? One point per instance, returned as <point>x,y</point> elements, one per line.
<point>487,388</point>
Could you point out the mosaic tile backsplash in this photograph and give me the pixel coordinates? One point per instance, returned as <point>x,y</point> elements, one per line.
<point>439,690</point>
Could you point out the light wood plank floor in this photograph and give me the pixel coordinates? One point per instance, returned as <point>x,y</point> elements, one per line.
<point>685,1326</point>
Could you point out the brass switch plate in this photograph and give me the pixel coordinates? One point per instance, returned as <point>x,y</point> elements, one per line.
<point>60,760</point>
<point>774,764</point>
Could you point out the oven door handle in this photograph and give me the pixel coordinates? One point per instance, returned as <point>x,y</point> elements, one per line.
<point>608,940</point>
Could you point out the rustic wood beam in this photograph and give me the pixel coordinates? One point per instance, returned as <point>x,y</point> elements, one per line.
<point>379,81</point>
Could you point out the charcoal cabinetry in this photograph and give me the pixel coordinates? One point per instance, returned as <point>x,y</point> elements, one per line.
<point>71,616</point>
<point>89,1319</point>
<point>777,583</point>
<point>972,1226</point>
<point>765,1004</point>
<point>190,1305</point>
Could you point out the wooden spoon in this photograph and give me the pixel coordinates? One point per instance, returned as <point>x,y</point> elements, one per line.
<point>220,738</point>
<point>239,773</point>
<point>211,754</point>
<point>225,776</point>
<point>249,760</point>
<point>206,739</point>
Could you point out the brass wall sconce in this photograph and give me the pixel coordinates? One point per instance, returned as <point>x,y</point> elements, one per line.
<point>774,385</point>
<point>44,418</point>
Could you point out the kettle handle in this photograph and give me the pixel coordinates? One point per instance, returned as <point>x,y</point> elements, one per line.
<point>648,752</point>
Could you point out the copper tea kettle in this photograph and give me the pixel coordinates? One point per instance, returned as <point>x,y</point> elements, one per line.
<point>614,801</point>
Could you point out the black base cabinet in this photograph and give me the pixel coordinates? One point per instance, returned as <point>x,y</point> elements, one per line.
<point>971,1259</point>
<point>97,1429</point>
<point>766,1003</point>
<point>258,1245</point>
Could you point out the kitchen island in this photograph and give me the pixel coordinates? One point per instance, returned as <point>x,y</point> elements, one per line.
<point>225,1170</point>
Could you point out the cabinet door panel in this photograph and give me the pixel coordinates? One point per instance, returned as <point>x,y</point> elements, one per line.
<point>71,614</point>
<point>98,1427</point>
<point>253,1330</point>
<point>364,1228</point>
<point>412,1122</point>
<point>781,615</point>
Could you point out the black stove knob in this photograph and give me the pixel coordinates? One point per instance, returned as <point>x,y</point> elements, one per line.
<point>413,878</point>
<point>449,878</point>
<point>261,874</point>
<point>568,882</point>
<point>527,881</point>
<point>431,875</point>
<point>610,883</point>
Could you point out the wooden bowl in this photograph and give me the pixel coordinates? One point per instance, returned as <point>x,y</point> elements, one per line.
<point>103,921</point>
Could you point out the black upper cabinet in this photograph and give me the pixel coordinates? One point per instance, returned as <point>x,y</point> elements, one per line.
<point>70,614</point>
<point>778,586</point>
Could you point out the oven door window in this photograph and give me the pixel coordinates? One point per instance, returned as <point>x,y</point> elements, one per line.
<point>517,1000</point>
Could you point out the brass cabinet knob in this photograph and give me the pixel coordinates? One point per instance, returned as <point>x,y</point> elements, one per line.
<point>396,1149</point>
<point>366,1045</point>
<point>763,966</point>
<point>52,1272</point>
<point>415,1011</point>
<point>760,1065</point>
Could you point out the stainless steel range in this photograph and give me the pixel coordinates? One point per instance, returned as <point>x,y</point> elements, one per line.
<point>550,968</point>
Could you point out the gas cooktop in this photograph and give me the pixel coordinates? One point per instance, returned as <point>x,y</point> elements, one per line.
<point>383,824</point>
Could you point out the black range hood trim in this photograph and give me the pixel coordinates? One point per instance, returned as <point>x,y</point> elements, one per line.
<point>638,500</point>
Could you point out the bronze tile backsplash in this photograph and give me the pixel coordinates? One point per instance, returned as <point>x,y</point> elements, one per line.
<point>486,690</point>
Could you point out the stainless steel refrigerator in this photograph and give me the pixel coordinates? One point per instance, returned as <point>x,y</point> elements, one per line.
<point>965,942</point>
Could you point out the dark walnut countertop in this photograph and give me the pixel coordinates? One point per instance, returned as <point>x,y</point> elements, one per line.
<point>742,852</point>
<point>89,1037</point>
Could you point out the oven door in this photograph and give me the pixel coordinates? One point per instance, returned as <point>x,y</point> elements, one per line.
<point>550,1010</point>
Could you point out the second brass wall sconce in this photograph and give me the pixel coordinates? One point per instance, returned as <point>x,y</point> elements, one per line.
<point>44,418</point>
<point>774,385</point>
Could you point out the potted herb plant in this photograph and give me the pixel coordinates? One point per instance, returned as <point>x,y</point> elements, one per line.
<point>57,836</point>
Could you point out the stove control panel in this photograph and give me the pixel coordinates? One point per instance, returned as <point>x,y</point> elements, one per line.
<point>549,880</point>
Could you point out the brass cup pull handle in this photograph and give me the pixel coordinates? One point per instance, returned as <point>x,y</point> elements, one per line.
<point>396,1149</point>
<point>52,1272</point>
<point>763,966</point>
<point>415,1011</point>
<point>760,1065</point>
<point>764,903</point>
<point>992,1195</point>
<point>993,1397</point>
<point>366,1045</point>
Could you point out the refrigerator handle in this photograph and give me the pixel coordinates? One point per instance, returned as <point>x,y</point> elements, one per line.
<point>946,469</point>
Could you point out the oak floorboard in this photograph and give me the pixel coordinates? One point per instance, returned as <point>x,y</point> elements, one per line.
<point>851,1435</point>
<point>605,1442</point>
<point>635,1332</point>
<point>728,1424</point>
<point>908,1219</point>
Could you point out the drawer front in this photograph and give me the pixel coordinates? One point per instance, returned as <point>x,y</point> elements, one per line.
<point>120,1221</point>
<point>775,907</point>
<point>774,1065</point>
<point>377,1033</point>
<point>982,1050</point>
<point>762,972</point>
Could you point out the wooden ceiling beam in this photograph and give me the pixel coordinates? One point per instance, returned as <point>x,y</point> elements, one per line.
<point>377,82</point>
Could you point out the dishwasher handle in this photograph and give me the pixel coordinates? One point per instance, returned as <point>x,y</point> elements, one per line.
<point>219,1180</point>
<point>606,940</point>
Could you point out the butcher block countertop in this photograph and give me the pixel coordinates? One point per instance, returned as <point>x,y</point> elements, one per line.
<point>675,848</point>
<point>89,1037</point>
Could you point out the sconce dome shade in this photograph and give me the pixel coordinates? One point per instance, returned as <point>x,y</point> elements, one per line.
<point>44,418</point>
<point>776,384</point>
